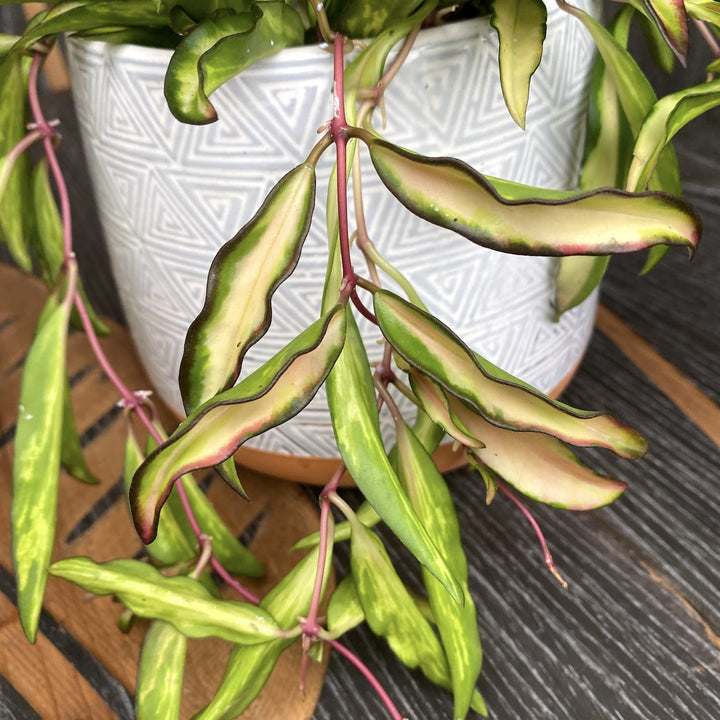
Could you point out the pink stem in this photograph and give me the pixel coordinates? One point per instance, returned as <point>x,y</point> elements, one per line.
<point>338,130</point>
<point>538,532</point>
<point>48,134</point>
<point>355,660</point>
<point>708,37</point>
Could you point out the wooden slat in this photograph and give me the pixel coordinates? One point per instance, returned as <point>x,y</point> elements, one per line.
<point>681,390</point>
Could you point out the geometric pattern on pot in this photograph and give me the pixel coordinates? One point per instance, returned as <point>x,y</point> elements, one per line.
<point>170,194</point>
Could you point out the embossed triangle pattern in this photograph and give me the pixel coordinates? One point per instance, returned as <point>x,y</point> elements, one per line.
<point>171,194</point>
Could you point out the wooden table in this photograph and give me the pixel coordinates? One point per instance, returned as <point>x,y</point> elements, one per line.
<point>635,637</point>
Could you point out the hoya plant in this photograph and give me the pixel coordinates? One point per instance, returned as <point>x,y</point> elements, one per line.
<point>517,439</point>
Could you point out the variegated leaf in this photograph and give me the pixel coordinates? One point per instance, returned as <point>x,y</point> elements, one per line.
<point>242,279</point>
<point>275,392</point>
<point>521,27</point>
<point>530,221</point>
<point>432,348</point>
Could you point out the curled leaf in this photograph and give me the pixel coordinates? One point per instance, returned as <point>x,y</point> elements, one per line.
<point>242,279</point>
<point>451,194</point>
<point>275,392</point>
<point>221,46</point>
<point>433,349</point>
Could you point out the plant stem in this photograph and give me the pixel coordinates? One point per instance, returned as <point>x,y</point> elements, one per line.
<point>534,524</point>
<point>394,713</point>
<point>708,37</point>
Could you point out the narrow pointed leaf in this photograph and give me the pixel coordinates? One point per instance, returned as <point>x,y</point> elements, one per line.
<point>436,351</point>
<point>36,464</point>
<point>271,395</point>
<point>76,16</point>
<point>181,601</point>
<point>227,470</point>
<point>14,187</point>
<point>160,673</point>
<point>670,17</point>
<point>242,279</point>
<point>661,53</point>
<point>577,278</point>
<point>220,47</point>
<point>521,27</point>
<point>353,411</point>
<point>72,458</point>
<point>668,116</point>
<point>344,611</point>
<point>457,624</point>
<point>389,608</point>
<point>634,91</point>
<point>248,668</point>
<point>451,194</point>
<point>608,147</point>
<point>705,10</point>
<point>538,465</point>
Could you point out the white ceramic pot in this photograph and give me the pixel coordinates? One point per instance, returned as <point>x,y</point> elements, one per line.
<point>170,194</point>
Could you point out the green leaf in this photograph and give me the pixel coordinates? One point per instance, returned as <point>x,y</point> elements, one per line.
<point>353,411</point>
<point>47,233</point>
<point>389,608</point>
<point>71,453</point>
<point>173,543</point>
<point>78,15</point>
<point>242,279</point>
<point>457,624</point>
<point>274,393</point>
<point>36,463</point>
<point>661,53</point>
<point>248,668</point>
<point>368,67</point>
<point>6,43</point>
<point>608,147</point>
<point>368,18</point>
<point>220,47</point>
<point>160,673</point>
<point>433,349</point>
<point>705,10</point>
<point>14,196</point>
<point>578,276</point>
<point>181,601</point>
<point>667,117</point>
<point>634,91</point>
<point>451,194</point>
<point>344,611</point>
<point>670,18</point>
<point>538,465</point>
<point>521,27</point>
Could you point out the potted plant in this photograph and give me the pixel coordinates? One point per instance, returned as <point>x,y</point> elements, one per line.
<point>514,435</point>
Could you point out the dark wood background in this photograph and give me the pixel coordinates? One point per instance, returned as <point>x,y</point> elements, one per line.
<point>635,637</point>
